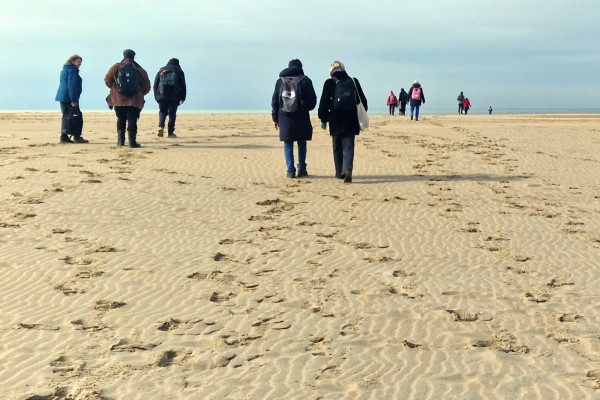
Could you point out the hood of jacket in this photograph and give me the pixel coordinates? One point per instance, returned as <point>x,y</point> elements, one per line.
<point>340,75</point>
<point>292,71</point>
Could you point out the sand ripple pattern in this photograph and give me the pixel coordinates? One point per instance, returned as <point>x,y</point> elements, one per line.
<point>461,263</point>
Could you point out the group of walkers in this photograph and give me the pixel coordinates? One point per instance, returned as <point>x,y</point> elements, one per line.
<point>414,97</point>
<point>294,97</point>
<point>128,83</point>
<point>463,104</point>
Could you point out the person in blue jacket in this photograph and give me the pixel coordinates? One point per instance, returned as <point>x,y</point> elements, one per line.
<point>69,91</point>
<point>294,126</point>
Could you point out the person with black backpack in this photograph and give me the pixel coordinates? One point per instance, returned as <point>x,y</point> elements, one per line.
<point>341,95</point>
<point>169,92</point>
<point>128,83</point>
<point>294,96</point>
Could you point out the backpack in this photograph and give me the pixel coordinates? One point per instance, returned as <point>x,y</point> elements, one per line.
<point>167,82</point>
<point>416,94</point>
<point>128,78</point>
<point>344,97</point>
<point>289,93</point>
<point>74,122</point>
<point>393,100</point>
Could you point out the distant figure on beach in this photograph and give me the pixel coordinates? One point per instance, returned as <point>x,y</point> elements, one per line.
<point>460,99</point>
<point>128,83</point>
<point>68,93</point>
<point>294,96</point>
<point>169,92</point>
<point>392,102</point>
<point>403,98</point>
<point>337,106</point>
<point>490,109</point>
<point>416,96</point>
<point>466,105</point>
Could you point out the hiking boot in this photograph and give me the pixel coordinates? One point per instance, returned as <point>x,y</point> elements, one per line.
<point>79,139</point>
<point>348,177</point>
<point>302,173</point>
<point>172,135</point>
<point>65,139</point>
<point>161,132</point>
<point>291,174</point>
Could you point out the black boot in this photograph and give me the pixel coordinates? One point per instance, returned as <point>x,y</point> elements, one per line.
<point>121,137</point>
<point>132,143</point>
<point>64,138</point>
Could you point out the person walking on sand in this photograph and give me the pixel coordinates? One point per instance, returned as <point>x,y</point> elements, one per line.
<point>466,105</point>
<point>337,106</point>
<point>128,83</point>
<point>169,92</point>
<point>68,93</point>
<point>403,98</point>
<point>490,109</point>
<point>392,102</point>
<point>293,97</point>
<point>460,99</point>
<point>417,97</point>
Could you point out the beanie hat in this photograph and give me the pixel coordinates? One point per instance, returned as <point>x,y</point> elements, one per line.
<point>129,54</point>
<point>173,61</point>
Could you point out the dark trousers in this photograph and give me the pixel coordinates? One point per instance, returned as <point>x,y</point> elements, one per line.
<point>65,108</point>
<point>343,154</point>
<point>167,108</point>
<point>127,117</point>
<point>392,109</point>
<point>403,107</point>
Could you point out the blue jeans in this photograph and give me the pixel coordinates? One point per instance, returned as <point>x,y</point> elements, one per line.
<point>343,154</point>
<point>414,110</point>
<point>288,151</point>
<point>167,108</point>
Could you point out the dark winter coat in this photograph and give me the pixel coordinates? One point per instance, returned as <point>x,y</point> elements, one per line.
<point>294,126</point>
<point>403,96</point>
<point>120,100</point>
<point>70,86</point>
<point>341,122</point>
<point>416,102</point>
<point>180,93</point>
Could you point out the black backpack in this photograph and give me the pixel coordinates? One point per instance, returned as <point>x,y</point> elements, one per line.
<point>167,82</point>
<point>289,93</point>
<point>344,97</point>
<point>128,80</point>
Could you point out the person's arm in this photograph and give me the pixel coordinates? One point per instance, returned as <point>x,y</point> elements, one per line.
<point>309,97</point>
<point>361,94</point>
<point>275,104</point>
<point>325,102</point>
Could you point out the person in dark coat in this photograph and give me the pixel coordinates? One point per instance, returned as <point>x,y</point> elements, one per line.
<point>169,94</point>
<point>403,98</point>
<point>294,126</point>
<point>68,93</point>
<point>416,96</point>
<point>343,124</point>
<point>127,108</point>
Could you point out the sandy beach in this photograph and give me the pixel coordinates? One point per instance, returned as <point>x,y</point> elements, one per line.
<point>463,262</point>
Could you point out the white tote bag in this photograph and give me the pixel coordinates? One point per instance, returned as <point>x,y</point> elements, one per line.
<point>363,118</point>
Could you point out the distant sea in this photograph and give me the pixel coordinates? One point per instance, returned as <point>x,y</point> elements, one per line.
<point>379,111</point>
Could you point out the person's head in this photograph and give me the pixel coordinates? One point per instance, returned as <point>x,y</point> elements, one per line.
<point>416,83</point>
<point>336,66</point>
<point>128,53</point>
<point>391,92</point>
<point>295,63</point>
<point>173,61</point>
<point>75,59</point>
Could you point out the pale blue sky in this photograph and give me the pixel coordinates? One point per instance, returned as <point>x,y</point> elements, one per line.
<point>513,54</point>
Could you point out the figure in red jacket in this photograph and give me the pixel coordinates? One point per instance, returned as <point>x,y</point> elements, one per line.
<point>392,102</point>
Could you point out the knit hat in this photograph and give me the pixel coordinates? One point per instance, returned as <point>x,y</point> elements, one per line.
<point>173,61</point>
<point>129,54</point>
